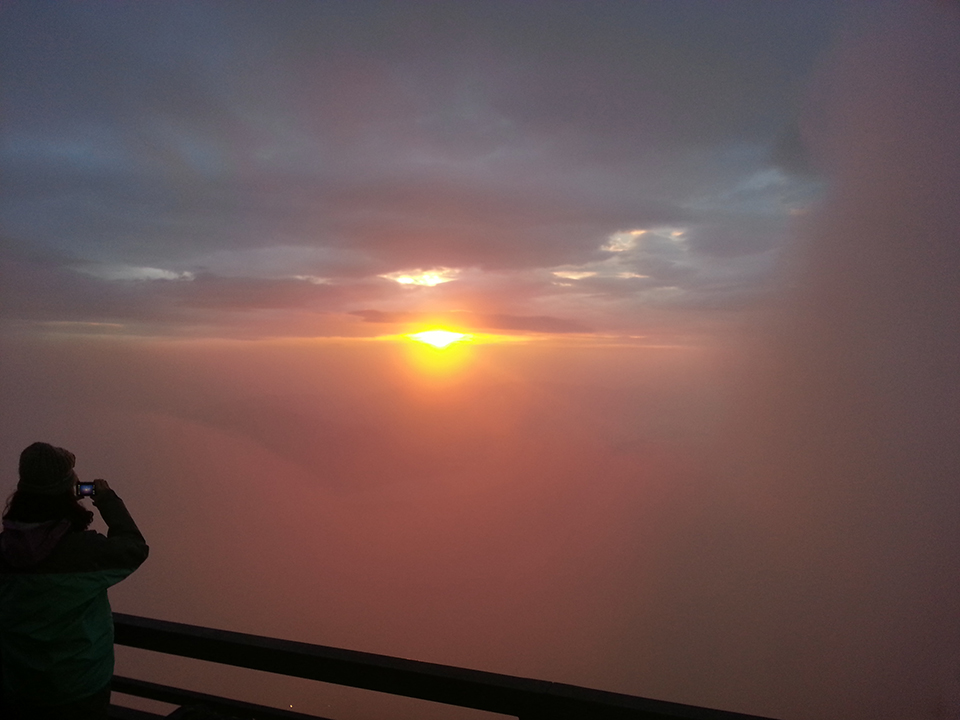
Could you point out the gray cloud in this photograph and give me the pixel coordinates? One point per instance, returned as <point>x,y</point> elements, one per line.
<point>475,321</point>
<point>500,136</point>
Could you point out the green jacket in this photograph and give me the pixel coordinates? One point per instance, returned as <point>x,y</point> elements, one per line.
<point>56,626</point>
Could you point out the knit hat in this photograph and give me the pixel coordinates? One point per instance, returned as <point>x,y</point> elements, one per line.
<point>46,470</point>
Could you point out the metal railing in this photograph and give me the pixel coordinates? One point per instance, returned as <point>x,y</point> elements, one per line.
<point>513,696</point>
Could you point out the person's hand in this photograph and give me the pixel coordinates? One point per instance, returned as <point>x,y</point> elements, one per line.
<point>99,485</point>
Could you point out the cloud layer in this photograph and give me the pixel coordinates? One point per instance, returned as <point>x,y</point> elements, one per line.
<point>251,150</point>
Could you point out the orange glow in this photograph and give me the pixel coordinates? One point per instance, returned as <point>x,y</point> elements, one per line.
<point>433,364</point>
<point>440,338</point>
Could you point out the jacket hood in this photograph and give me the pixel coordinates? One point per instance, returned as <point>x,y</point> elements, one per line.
<point>25,544</point>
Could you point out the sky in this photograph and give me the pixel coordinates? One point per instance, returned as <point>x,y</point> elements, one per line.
<point>212,168</point>
<point>700,440</point>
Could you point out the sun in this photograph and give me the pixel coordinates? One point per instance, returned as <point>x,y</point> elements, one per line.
<point>440,338</point>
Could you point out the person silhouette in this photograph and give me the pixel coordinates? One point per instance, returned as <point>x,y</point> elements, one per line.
<point>56,625</point>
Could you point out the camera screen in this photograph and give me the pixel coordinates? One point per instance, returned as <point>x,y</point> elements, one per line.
<point>85,489</point>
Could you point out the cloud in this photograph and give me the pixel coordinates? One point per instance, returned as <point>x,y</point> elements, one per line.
<point>428,278</point>
<point>148,136</point>
<point>574,274</point>
<point>739,237</point>
<point>286,160</point>
<point>843,465</point>
<point>127,272</point>
<point>475,321</point>
<point>47,289</point>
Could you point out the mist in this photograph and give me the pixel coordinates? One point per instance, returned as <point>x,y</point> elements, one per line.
<point>829,578</point>
<point>511,514</point>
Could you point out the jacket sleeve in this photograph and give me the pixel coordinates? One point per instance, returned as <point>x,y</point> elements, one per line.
<point>124,546</point>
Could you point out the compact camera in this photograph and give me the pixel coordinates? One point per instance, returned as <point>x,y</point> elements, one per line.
<point>85,489</point>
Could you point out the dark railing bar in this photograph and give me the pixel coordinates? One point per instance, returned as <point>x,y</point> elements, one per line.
<point>525,698</point>
<point>178,696</point>
<point>118,712</point>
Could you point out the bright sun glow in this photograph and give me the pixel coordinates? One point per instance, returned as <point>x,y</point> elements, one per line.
<point>440,338</point>
<point>428,278</point>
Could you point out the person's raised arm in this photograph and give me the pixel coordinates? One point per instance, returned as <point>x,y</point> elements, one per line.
<point>125,541</point>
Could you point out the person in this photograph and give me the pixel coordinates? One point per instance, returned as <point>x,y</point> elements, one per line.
<point>56,626</point>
